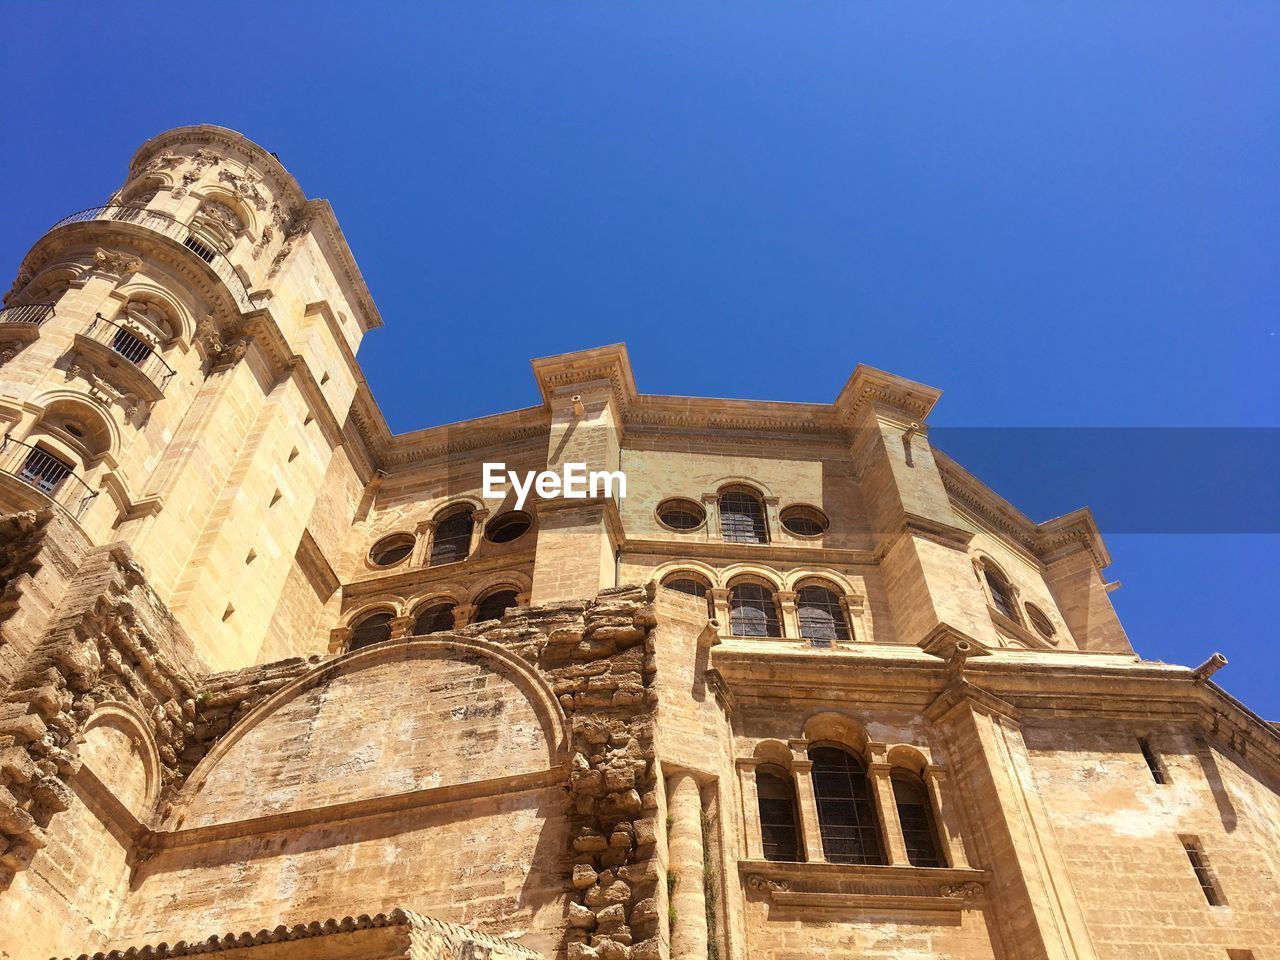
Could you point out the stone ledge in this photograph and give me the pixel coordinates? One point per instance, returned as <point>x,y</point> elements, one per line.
<point>854,887</point>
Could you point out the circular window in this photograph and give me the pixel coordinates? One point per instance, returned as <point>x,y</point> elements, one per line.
<point>73,427</point>
<point>508,527</point>
<point>681,514</point>
<point>805,521</point>
<point>1041,622</point>
<point>391,550</point>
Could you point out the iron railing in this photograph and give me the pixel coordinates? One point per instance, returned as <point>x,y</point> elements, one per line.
<point>28,313</point>
<point>46,473</point>
<point>132,347</point>
<point>159,222</point>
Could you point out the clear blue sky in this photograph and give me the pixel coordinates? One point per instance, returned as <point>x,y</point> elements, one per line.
<point>1064,215</point>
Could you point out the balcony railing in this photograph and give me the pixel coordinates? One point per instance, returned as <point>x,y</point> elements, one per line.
<point>46,473</point>
<point>30,314</point>
<point>158,222</point>
<point>132,347</point>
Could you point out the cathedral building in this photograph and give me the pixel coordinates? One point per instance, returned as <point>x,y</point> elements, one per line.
<point>278,683</point>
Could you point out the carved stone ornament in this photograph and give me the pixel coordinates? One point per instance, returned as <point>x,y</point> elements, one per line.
<point>201,161</point>
<point>102,390</point>
<point>246,186</point>
<point>220,351</point>
<point>114,262</point>
<point>296,226</point>
<point>20,281</point>
<point>219,212</point>
<point>967,890</point>
<point>165,161</point>
<point>756,882</point>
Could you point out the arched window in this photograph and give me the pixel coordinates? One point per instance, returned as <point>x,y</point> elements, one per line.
<point>494,605</point>
<point>821,614</point>
<point>1001,592</point>
<point>452,539</point>
<point>370,629</point>
<point>752,612</point>
<point>742,517</point>
<point>846,812</point>
<point>915,813</point>
<point>778,830</point>
<point>692,584</point>
<point>433,619</point>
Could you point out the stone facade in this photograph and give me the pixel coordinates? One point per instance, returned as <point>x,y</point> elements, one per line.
<point>274,680</point>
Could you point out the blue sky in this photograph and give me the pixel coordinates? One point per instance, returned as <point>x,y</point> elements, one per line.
<point>1063,215</point>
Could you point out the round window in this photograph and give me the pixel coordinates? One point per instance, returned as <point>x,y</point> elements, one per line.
<point>681,514</point>
<point>391,550</point>
<point>507,527</point>
<point>1043,625</point>
<point>805,521</point>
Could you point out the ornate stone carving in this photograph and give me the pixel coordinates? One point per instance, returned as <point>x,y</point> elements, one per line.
<point>764,884</point>
<point>219,212</point>
<point>245,185</point>
<point>967,890</point>
<point>116,263</point>
<point>298,224</point>
<point>220,350</point>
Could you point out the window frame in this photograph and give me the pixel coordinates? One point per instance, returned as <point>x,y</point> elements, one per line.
<point>866,817</point>
<point>840,607</point>
<point>759,524</point>
<point>772,611</point>
<point>450,516</point>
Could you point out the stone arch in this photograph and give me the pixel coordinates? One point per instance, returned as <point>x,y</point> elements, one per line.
<point>801,576</point>
<point>383,603</point>
<point>734,480</point>
<point>117,746</point>
<point>102,438</point>
<point>453,503</point>
<point>385,720</point>
<point>179,315</point>
<point>51,283</point>
<point>829,726</point>
<point>449,592</point>
<point>773,751</point>
<point>704,570</point>
<point>211,193</point>
<point>759,571</point>
<point>518,582</point>
<point>909,757</point>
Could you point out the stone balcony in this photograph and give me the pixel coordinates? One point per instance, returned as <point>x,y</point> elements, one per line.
<point>25,468</point>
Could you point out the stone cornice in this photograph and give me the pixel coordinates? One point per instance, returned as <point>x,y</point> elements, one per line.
<point>869,388</point>
<point>583,366</point>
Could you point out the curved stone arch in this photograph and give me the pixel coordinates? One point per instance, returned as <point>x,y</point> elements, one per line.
<point>542,697</point>
<point>68,272</point>
<point>139,287</point>
<point>383,603</point>
<point>451,592</point>
<point>157,180</point>
<point>83,404</point>
<point>838,729</point>
<point>208,191</point>
<point>981,558</point>
<point>908,756</point>
<point>129,720</point>
<point>759,571</point>
<point>705,570</point>
<point>453,503</point>
<point>734,480</point>
<point>518,582</point>
<point>774,752</point>
<point>819,576</point>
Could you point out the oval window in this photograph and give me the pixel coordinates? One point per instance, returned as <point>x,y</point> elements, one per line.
<point>507,527</point>
<point>680,514</point>
<point>391,550</point>
<point>805,521</point>
<point>1043,625</point>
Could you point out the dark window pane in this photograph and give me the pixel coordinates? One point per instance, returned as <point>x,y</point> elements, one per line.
<point>1001,594</point>
<point>741,518</point>
<point>915,813</point>
<point>374,628</point>
<point>452,540</point>
<point>777,817</point>
<point>846,815</point>
<point>821,614</point>
<point>434,619</point>
<point>752,612</point>
<point>494,605</point>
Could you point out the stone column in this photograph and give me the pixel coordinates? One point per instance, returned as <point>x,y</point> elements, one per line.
<point>423,533</point>
<point>689,935</point>
<point>751,808</point>
<point>895,847</point>
<point>720,604</point>
<point>711,504</point>
<point>462,614</point>
<point>401,627</point>
<point>771,519</point>
<point>478,518</point>
<point>946,816</point>
<point>806,802</point>
<point>787,608</point>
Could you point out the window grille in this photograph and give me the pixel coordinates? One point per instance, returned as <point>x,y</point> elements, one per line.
<point>203,251</point>
<point>434,619</point>
<point>846,813</point>
<point>494,606</point>
<point>752,612</point>
<point>452,539</point>
<point>742,518</point>
<point>804,521</point>
<point>915,814</point>
<point>681,514</point>
<point>778,831</point>
<point>374,628</point>
<point>1153,762</point>
<point>1204,875</point>
<point>1040,621</point>
<point>821,615</point>
<point>44,471</point>
<point>131,347</point>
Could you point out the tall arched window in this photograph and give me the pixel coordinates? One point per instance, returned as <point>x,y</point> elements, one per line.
<point>452,539</point>
<point>915,813</point>
<point>846,812</point>
<point>820,614</point>
<point>778,830</point>
<point>742,517</point>
<point>370,629</point>
<point>433,619</point>
<point>692,584</point>
<point>752,611</point>
<point>1001,592</point>
<point>494,605</point>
